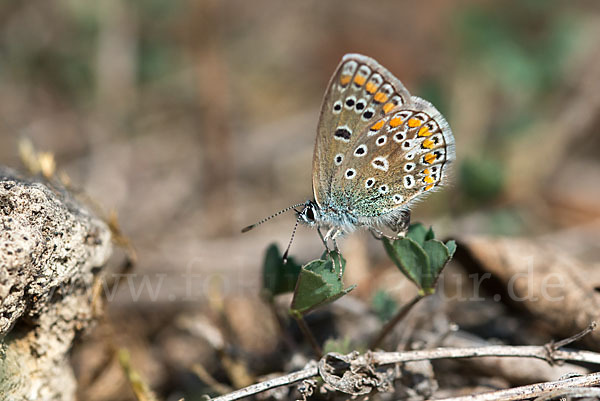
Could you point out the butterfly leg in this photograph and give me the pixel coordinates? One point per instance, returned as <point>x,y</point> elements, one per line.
<point>323,239</point>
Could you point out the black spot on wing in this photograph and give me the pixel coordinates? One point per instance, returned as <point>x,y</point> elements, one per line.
<point>343,133</point>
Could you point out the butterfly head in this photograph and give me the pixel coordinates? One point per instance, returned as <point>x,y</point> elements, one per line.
<point>310,214</point>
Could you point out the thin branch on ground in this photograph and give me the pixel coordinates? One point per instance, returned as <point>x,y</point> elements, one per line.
<point>286,380</point>
<point>520,351</point>
<point>590,392</point>
<point>562,343</point>
<point>533,390</point>
<point>386,358</point>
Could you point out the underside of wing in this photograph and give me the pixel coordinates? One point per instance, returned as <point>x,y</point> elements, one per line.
<point>395,161</point>
<point>359,94</point>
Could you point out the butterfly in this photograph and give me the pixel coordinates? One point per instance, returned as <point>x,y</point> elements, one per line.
<point>378,151</point>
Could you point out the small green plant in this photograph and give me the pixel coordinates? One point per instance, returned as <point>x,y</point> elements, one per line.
<point>419,256</point>
<point>319,283</point>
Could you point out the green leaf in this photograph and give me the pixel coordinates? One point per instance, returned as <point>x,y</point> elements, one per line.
<point>319,283</point>
<point>438,257</point>
<point>451,245</point>
<point>430,234</point>
<point>418,233</point>
<point>420,257</point>
<point>384,306</point>
<point>410,258</point>
<point>279,278</point>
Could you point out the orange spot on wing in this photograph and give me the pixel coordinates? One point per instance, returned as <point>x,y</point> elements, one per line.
<point>426,171</point>
<point>428,187</point>
<point>377,126</point>
<point>360,80</point>
<point>345,79</point>
<point>424,131</point>
<point>371,87</point>
<point>396,121</point>
<point>429,158</point>
<point>428,143</point>
<point>429,180</point>
<point>414,122</point>
<point>387,107</point>
<point>380,97</point>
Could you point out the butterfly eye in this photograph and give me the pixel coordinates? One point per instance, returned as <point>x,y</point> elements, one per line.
<point>409,181</point>
<point>350,173</point>
<point>383,189</point>
<point>310,215</point>
<point>398,198</point>
<point>369,182</point>
<point>339,158</point>
<point>407,144</point>
<point>409,167</point>
<point>381,140</point>
<point>410,156</point>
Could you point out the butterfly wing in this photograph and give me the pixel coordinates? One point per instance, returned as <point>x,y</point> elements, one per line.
<point>375,168</point>
<point>359,93</point>
<point>406,157</point>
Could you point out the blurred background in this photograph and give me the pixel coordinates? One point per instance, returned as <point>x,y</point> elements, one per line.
<point>192,119</point>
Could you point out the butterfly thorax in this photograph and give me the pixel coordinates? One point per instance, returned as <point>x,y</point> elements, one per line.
<point>328,215</point>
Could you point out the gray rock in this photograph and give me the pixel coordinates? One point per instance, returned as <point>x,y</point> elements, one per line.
<point>51,252</point>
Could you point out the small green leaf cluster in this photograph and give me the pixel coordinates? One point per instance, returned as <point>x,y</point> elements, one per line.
<point>315,284</point>
<point>420,257</point>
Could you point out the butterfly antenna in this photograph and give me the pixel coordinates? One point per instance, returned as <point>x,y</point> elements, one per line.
<point>287,250</point>
<point>250,227</point>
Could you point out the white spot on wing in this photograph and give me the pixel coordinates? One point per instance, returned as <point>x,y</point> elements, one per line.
<point>380,163</point>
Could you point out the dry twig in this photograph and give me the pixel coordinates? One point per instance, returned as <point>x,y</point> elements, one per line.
<point>385,358</point>
<point>535,390</point>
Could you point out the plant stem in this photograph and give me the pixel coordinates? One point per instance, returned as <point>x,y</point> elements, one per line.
<point>389,326</point>
<point>308,334</point>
